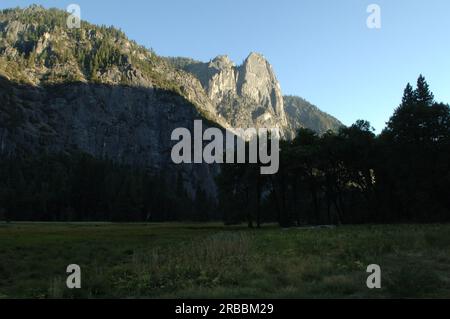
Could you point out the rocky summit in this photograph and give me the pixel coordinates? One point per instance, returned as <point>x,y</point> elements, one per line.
<point>248,95</point>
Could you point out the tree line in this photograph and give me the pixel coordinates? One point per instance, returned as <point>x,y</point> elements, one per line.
<point>79,187</point>
<point>353,176</point>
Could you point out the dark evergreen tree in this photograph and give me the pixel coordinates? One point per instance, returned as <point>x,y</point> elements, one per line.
<point>423,95</point>
<point>409,96</point>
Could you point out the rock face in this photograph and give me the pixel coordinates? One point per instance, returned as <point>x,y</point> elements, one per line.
<point>257,82</point>
<point>248,95</point>
<point>95,91</point>
<point>127,125</point>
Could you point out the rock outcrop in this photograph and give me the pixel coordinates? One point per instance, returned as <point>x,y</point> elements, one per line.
<point>248,95</point>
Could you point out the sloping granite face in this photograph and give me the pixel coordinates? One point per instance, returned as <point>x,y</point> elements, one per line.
<point>246,96</point>
<point>96,91</point>
<point>129,125</point>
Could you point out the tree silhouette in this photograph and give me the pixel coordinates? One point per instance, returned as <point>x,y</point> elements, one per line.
<point>423,95</point>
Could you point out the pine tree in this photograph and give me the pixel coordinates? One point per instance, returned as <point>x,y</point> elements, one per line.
<point>424,96</point>
<point>409,95</point>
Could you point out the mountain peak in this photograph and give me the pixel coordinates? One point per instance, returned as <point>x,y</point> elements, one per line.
<point>222,62</point>
<point>255,55</point>
<point>257,60</point>
<point>34,8</point>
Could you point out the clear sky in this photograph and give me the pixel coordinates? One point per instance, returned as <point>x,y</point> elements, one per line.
<point>321,50</point>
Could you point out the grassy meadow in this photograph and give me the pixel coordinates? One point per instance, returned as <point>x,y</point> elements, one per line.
<point>214,261</point>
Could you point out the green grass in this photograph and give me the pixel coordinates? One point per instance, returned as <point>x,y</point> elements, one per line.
<point>213,261</point>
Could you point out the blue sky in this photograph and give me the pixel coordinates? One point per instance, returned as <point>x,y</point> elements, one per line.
<point>321,50</point>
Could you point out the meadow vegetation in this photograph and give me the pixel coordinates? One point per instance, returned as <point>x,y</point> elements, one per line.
<point>213,261</point>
